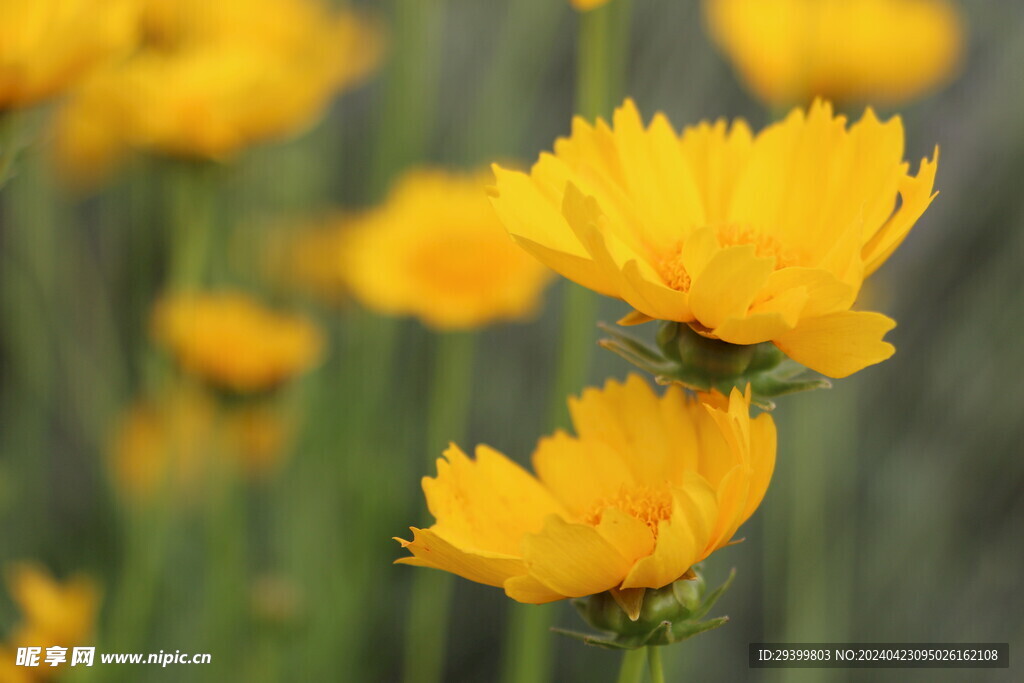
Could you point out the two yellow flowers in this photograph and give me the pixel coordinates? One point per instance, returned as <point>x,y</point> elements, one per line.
<point>743,238</point>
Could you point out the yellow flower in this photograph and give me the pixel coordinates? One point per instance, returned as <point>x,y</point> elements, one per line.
<point>177,440</point>
<point>790,51</point>
<point>651,486</point>
<point>215,77</point>
<point>54,613</point>
<point>233,341</point>
<point>47,45</point>
<point>746,238</point>
<point>436,250</point>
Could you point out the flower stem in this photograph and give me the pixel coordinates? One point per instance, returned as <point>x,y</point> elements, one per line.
<point>601,59</point>
<point>632,668</point>
<point>430,603</point>
<point>654,662</point>
<point>601,54</point>
<point>191,198</point>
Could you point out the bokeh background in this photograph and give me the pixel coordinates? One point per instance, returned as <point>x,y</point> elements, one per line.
<point>895,513</point>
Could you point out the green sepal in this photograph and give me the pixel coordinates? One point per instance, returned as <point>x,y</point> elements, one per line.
<point>699,363</point>
<point>669,615</point>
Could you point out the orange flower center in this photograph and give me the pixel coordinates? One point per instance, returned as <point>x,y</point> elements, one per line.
<point>648,504</point>
<point>673,271</point>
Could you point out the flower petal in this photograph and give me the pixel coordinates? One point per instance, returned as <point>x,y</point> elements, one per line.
<point>573,559</point>
<point>430,550</point>
<point>728,285</point>
<point>839,344</point>
<point>487,503</point>
<point>579,472</point>
<point>529,590</point>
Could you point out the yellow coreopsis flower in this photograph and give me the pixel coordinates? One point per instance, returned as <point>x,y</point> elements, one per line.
<point>585,5</point>
<point>790,51</point>
<point>649,487</point>
<point>47,45</point>
<point>54,613</point>
<point>233,341</point>
<point>746,238</point>
<point>216,76</point>
<point>436,250</point>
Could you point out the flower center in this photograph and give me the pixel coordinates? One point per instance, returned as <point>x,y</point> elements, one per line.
<point>673,271</point>
<point>648,504</point>
<point>765,246</point>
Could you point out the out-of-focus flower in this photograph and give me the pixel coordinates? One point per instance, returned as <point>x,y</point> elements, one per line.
<point>216,76</point>
<point>175,441</point>
<point>436,250</point>
<point>649,487</point>
<point>47,45</point>
<point>307,256</point>
<point>233,341</point>
<point>790,51</point>
<point>585,5</point>
<point>53,613</point>
<point>166,442</point>
<point>746,238</point>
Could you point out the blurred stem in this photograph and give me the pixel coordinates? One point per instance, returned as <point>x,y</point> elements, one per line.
<point>430,602</point>
<point>10,144</point>
<point>654,661</point>
<point>148,531</point>
<point>602,51</point>
<point>601,60</point>
<point>192,201</point>
<point>410,90</point>
<point>632,668</point>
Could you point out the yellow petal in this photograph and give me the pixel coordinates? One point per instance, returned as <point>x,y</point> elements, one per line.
<point>529,590</point>
<point>573,559</point>
<point>487,503</point>
<point>916,195</point>
<point>763,442</point>
<point>430,550</point>
<point>728,285</point>
<point>634,318</point>
<point>631,537</point>
<point>579,472</point>
<point>681,539</point>
<point>839,344</point>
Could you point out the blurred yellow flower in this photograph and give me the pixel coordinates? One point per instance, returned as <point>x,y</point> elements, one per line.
<point>651,486</point>
<point>177,440</point>
<point>53,613</point>
<point>47,45</point>
<point>584,5</point>
<point>216,76</point>
<point>790,51</point>
<point>165,444</point>
<point>436,250</point>
<point>746,238</point>
<point>233,341</point>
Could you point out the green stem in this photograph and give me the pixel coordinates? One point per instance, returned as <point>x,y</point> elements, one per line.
<point>632,668</point>
<point>654,661</point>
<point>191,208</point>
<point>10,144</point>
<point>406,119</point>
<point>430,602</point>
<point>602,48</point>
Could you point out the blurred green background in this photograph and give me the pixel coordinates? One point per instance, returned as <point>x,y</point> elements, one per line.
<point>895,513</point>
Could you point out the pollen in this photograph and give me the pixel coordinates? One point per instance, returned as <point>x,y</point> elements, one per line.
<point>650,505</point>
<point>672,269</point>
<point>765,246</point>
